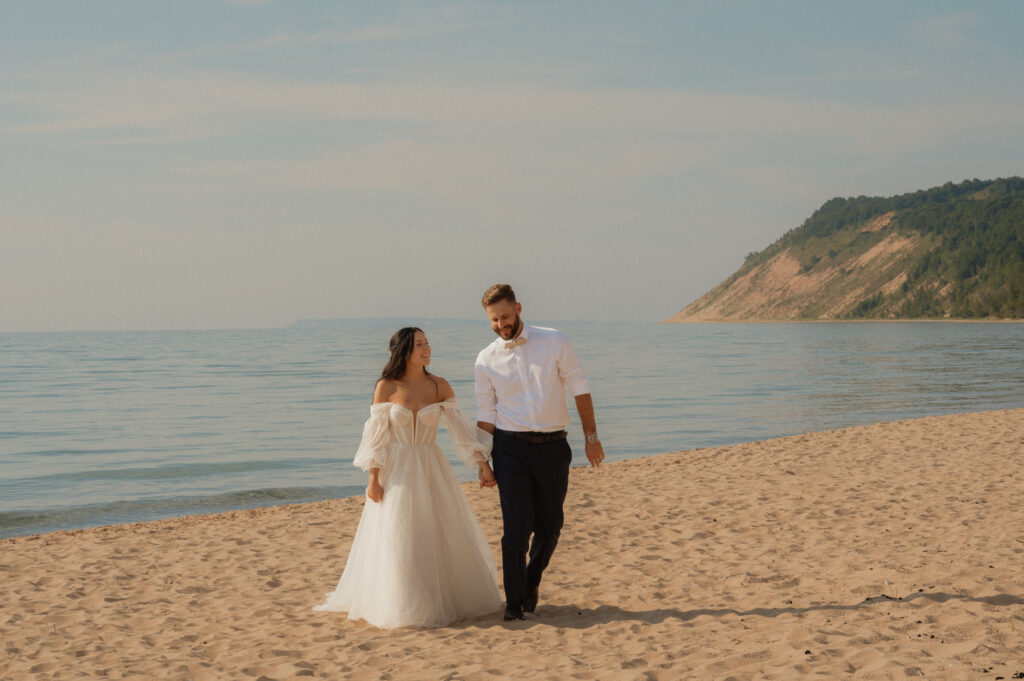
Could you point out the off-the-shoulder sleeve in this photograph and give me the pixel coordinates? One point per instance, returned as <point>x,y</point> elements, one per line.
<point>374,448</point>
<point>472,444</point>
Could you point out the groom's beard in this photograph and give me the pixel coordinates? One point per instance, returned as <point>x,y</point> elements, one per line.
<point>509,332</point>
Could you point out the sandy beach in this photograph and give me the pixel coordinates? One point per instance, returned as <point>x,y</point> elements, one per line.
<point>880,552</point>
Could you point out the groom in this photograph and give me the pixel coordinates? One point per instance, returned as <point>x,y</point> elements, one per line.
<point>521,380</point>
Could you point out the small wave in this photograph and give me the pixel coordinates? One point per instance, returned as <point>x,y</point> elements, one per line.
<point>5,434</point>
<point>173,471</point>
<point>186,386</point>
<point>21,523</point>
<point>71,452</point>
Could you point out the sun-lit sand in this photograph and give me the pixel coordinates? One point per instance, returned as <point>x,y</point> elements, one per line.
<point>879,552</point>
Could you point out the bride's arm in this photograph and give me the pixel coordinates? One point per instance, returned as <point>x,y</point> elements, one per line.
<point>374,490</point>
<point>459,423</point>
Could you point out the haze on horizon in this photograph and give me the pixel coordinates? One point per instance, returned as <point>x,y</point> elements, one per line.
<point>246,164</point>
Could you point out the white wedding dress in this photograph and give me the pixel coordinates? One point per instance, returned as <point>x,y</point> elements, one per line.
<point>418,557</point>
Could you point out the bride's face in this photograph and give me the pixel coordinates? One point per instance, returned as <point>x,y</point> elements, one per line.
<point>420,354</point>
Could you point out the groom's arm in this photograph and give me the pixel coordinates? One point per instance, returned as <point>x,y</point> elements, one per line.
<point>486,398</point>
<point>585,408</point>
<point>486,474</point>
<point>486,407</point>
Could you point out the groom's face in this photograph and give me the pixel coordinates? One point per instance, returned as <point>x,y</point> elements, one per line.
<point>504,318</point>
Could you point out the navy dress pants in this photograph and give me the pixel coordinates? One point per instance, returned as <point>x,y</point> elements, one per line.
<point>532,481</point>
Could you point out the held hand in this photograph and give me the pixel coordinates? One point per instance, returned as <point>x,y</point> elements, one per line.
<point>486,475</point>
<point>374,491</point>
<point>595,453</point>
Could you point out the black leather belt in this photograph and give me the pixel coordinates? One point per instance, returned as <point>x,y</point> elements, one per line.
<point>532,436</point>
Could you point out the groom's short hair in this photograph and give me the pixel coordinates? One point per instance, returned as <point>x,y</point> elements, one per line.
<point>498,293</point>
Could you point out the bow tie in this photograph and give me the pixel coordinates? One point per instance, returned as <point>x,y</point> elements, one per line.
<point>512,344</point>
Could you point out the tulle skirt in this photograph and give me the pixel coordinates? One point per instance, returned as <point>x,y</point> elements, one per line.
<point>419,557</point>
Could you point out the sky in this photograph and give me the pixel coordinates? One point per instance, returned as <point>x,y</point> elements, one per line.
<point>245,164</point>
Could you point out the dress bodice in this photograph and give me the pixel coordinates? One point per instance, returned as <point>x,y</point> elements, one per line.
<point>391,426</point>
<point>415,427</point>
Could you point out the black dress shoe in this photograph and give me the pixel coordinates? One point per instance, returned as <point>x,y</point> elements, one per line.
<point>530,602</point>
<point>514,614</point>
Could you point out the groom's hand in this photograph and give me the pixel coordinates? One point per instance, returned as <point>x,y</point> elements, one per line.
<point>595,453</point>
<point>486,475</point>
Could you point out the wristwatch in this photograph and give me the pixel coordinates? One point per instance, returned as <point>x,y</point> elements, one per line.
<point>592,438</point>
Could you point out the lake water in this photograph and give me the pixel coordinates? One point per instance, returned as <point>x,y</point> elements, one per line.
<point>101,428</point>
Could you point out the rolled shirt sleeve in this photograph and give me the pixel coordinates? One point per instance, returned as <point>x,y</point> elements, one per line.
<point>570,369</point>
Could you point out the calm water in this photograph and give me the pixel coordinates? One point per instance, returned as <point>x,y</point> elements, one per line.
<point>101,428</point>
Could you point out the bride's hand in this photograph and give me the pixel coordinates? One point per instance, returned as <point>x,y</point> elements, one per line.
<point>374,491</point>
<point>486,475</point>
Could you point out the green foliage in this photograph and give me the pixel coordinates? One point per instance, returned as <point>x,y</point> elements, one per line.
<point>808,266</point>
<point>974,270</point>
<point>922,304</point>
<point>867,306</point>
<point>981,252</point>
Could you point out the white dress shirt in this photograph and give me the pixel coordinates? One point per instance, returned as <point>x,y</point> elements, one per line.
<point>522,388</point>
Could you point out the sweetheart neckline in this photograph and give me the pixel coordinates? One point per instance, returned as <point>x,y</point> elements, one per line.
<point>414,411</point>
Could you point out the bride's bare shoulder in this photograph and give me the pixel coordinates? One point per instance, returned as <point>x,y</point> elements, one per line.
<point>385,388</point>
<point>444,388</point>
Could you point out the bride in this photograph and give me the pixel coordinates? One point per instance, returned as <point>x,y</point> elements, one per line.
<point>418,557</point>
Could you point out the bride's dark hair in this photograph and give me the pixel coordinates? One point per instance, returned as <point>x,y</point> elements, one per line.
<point>400,345</point>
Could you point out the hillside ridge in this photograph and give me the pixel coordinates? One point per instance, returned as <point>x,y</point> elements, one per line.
<point>950,252</point>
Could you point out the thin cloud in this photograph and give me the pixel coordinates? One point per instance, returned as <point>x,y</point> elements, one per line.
<point>950,30</point>
<point>123,106</point>
<point>437,23</point>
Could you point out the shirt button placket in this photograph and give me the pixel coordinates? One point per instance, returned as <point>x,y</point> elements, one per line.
<point>524,383</point>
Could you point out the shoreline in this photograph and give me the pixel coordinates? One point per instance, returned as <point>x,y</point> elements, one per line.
<point>889,550</point>
<point>248,492</point>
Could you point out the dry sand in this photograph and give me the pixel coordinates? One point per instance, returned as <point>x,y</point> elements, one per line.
<point>879,552</point>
